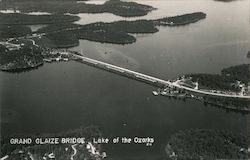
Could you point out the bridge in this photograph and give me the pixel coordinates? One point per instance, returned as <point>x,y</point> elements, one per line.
<point>149,79</point>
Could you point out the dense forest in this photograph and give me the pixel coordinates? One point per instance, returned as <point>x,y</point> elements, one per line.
<point>25,19</point>
<point>214,81</point>
<point>181,19</point>
<point>23,58</point>
<point>208,144</point>
<point>65,35</point>
<point>239,73</point>
<point>117,7</point>
<point>115,32</point>
<point>226,80</point>
<point>38,151</point>
<point>13,31</point>
<point>57,27</point>
<point>63,39</point>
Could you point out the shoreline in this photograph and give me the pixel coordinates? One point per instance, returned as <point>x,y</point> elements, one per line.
<point>22,69</point>
<point>212,104</point>
<point>129,9</point>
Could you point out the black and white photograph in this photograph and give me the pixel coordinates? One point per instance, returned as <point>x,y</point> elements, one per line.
<point>125,79</point>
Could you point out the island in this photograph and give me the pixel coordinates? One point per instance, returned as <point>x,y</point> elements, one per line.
<point>248,54</point>
<point>208,144</point>
<point>72,144</point>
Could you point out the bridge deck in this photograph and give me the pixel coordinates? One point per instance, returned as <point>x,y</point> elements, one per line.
<point>149,79</point>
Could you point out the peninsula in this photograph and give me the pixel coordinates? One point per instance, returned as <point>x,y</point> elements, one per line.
<point>71,144</point>
<point>24,58</point>
<point>37,47</point>
<point>233,81</point>
<point>25,19</point>
<point>117,7</point>
<point>119,32</point>
<point>8,31</point>
<point>208,144</point>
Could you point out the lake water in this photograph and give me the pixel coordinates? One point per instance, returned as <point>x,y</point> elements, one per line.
<point>62,96</point>
<point>98,2</point>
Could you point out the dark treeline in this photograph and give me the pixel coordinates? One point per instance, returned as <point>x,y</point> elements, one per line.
<point>39,150</point>
<point>117,7</point>
<point>65,35</point>
<point>181,19</point>
<point>13,31</point>
<point>64,39</point>
<point>240,73</point>
<point>214,81</point>
<point>24,19</point>
<point>236,104</point>
<point>115,32</point>
<point>57,27</point>
<point>25,57</point>
<point>209,144</point>
<point>226,80</point>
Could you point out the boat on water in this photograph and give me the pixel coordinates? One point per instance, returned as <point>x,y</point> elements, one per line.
<point>155,93</point>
